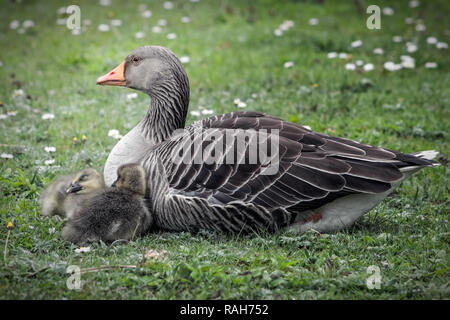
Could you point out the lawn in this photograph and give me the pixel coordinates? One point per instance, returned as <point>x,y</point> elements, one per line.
<point>50,99</point>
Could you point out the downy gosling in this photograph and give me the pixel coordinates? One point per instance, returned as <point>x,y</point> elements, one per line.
<point>66,193</point>
<point>119,212</point>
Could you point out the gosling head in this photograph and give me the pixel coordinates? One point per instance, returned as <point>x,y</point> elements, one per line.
<point>131,177</point>
<point>86,181</point>
<point>150,69</point>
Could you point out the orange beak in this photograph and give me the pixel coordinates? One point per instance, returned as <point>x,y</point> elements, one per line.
<point>115,77</point>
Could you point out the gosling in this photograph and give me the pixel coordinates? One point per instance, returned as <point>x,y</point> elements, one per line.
<point>66,193</point>
<point>118,213</point>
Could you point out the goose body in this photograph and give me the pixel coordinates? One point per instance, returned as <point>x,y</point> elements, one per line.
<point>207,176</point>
<point>119,212</point>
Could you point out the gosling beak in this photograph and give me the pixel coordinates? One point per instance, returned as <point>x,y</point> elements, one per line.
<point>74,187</point>
<point>115,77</point>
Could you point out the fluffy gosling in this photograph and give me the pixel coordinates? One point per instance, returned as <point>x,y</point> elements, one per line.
<point>119,212</point>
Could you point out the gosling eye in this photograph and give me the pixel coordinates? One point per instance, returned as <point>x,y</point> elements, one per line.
<point>83,177</point>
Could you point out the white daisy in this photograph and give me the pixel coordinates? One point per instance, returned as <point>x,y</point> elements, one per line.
<point>313,21</point>
<point>14,24</point>
<point>431,65</point>
<point>332,55</point>
<point>185,19</point>
<point>409,20</point>
<point>3,116</point>
<point>156,29</point>
<point>114,133</point>
<point>343,55</point>
<point>278,32</point>
<point>441,45</point>
<point>28,24</point>
<point>390,66</point>
<point>195,113</point>
<point>171,36</point>
<point>185,59</point>
<point>388,11</point>
<point>146,14</point>
<point>414,4</point>
<point>378,51</point>
<point>48,116</point>
<point>359,63</point>
<point>132,96</point>
<point>116,22</point>
<point>368,67</point>
<point>207,111</point>
<point>49,162</point>
<point>162,22</point>
<point>350,66</point>
<point>50,149</point>
<point>168,5</point>
<point>356,44</point>
<point>420,27</point>
<point>61,10</point>
<point>105,3</point>
<point>103,27</point>
<point>432,40</point>
<point>411,47</point>
<point>241,104</point>
<point>139,35</point>
<point>397,39</point>
<point>83,249</point>
<point>6,156</point>
<point>288,64</point>
<point>18,92</point>
<point>407,62</point>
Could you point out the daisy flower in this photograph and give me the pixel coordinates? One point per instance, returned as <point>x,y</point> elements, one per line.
<point>6,156</point>
<point>388,11</point>
<point>431,65</point>
<point>185,19</point>
<point>356,44</point>
<point>156,29</point>
<point>185,59</point>
<point>103,27</point>
<point>195,113</point>
<point>146,14</point>
<point>441,45</point>
<point>50,149</point>
<point>432,40</point>
<point>397,39</point>
<point>114,133</point>
<point>171,36</point>
<point>116,22</point>
<point>288,64</point>
<point>332,55</point>
<point>14,24</point>
<point>378,51</point>
<point>132,96</point>
<point>48,116</point>
<point>139,35</point>
<point>49,162</point>
<point>313,21</point>
<point>350,66</point>
<point>368,67</point>
<point>83,249</point>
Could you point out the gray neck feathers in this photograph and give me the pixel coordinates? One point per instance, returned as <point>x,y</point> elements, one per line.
<point>168,106</point>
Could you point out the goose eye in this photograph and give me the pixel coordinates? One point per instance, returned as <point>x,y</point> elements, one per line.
<point>136,60</point>
<point>83,177</point>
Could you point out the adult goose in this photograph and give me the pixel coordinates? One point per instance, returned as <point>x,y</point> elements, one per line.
<point>305,180</point>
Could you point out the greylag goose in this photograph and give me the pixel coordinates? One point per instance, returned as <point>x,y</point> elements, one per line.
<point>205,176</point>
<point>119,212</point>
<point>63,195</point>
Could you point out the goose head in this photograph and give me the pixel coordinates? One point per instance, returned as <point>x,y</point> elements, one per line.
<point>86,181</point>
<point>157,72</point>
<point>131,177</point>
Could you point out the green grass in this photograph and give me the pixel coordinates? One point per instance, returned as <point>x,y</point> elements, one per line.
<point>234,54</point>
